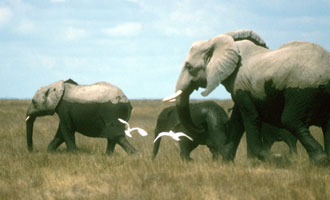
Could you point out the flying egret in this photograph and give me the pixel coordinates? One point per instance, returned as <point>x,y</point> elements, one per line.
<point>129,129</point>
<point>173,135</point>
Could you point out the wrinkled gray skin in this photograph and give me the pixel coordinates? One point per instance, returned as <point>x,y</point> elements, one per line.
<point>92,110</point>
<point>215,120</point>
<point>287,87</point>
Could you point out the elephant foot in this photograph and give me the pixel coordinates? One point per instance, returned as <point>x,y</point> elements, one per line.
<point>51,150</point>
<point>109,153</point>
<point>279,160</point>
<point>228,153</point>
<point>275,159</point>
<point>262,155</point>
<point>73,150</point>
<point>215,157</point>
<point>132,152</point>
<point>319,160</point>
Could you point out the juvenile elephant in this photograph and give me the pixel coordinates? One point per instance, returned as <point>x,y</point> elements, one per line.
<point>207,114</point>
<point>288,87</point>
<point>92,110</point>
<point>214,119</point>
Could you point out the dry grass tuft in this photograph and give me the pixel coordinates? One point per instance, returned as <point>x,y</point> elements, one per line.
<point>90,174</point>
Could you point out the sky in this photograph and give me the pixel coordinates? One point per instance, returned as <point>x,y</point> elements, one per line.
<point>137,45</point>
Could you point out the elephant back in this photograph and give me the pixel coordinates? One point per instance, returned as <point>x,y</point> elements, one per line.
<point>101,92</point>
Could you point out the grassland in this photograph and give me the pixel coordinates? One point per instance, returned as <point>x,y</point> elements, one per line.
<point>90,174</point>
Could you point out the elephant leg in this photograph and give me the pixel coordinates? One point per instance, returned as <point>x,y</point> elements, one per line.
<point>68,135</point>
<point>122,141</point>
<point>56,142</point>
<point>267,141</point>
<point>186,147</point>
<point>215,153</point>
<point>215,142</point>
<point>269,135</point>
<point>326,136</point>
<point>252,125</point>
<point>291,141</point>
<point>234,135</point>
<point>110,146</point>
<point>292,118</point>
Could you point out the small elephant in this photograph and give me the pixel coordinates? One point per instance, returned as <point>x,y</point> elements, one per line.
<point>207,114</point>
<point>213,117</point>
<point>92,110</point>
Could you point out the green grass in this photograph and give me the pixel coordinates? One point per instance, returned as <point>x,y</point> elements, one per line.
<point>90,174</point>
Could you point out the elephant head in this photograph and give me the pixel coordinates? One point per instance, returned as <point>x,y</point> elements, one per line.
<point>208,64</point>
<point>44,102</point>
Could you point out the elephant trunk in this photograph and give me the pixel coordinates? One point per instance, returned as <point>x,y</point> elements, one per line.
<point>183,109</point>
<point>29,132</point>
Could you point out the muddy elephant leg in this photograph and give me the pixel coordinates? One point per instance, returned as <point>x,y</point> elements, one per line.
<point>268,135</point>
<point>56,142</point>
<point>234,135</point>
<point>215,153</point>
<point>326,136</point>
<point>313,148</point>
<point>186,147</point>
<point>267,144</point>
<point>294,110</point>
<point>215,142</point>
<point>122,141</point>
<point>68,135</point>
<point>252,125</point>
<point>291,141</point>
<point>110,146</point>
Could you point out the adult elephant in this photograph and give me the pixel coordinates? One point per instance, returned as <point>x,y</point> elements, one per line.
<point>287,87</point>
<point>93,110</point>
<point>214,119</point>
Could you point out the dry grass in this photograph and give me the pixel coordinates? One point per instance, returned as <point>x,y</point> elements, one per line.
<point>90,174</point>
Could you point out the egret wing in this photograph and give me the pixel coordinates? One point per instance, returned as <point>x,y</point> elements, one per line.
<point>181,134</point>
<point>142,132</point>
<point>123,121</point>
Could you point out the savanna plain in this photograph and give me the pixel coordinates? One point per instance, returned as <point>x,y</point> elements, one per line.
<point>90,174</point>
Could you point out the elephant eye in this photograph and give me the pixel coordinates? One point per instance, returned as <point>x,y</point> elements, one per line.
<point>189,67</point>
<point>47,93</point>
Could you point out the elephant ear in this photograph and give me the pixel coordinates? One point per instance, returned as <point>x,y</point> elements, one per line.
<point>223,59</point>
<point>47,98</point>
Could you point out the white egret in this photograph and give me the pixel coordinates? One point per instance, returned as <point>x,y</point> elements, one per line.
<point>173,135</point>
<point>129,129</point>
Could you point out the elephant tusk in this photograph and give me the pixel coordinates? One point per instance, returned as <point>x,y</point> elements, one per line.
<point>172,97</point>
<point>27,118</point>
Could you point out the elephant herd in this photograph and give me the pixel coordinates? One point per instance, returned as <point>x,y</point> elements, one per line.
<point>278,94</point>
